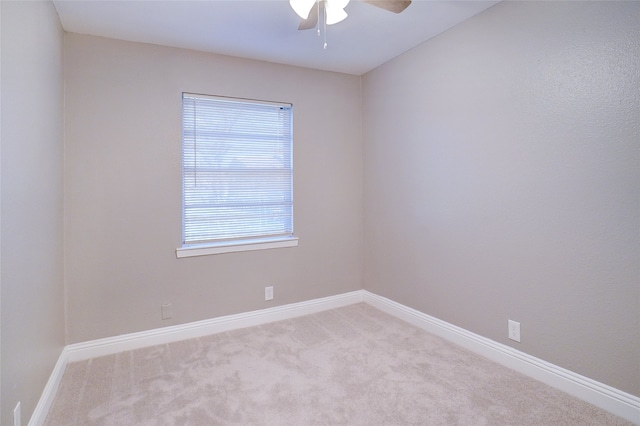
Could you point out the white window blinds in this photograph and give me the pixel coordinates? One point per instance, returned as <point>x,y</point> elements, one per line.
<point>237,169</point>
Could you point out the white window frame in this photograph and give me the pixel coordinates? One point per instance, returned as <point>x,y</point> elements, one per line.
<point>191,248</point>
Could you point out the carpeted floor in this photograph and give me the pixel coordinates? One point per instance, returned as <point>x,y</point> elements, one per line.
<point>349,366</point>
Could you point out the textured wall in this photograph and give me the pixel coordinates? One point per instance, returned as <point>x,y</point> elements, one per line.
<point>32,235</point>
<point>502,181</point>
<point>123,188</point>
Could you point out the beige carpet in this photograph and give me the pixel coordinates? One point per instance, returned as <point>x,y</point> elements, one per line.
<point>349,366</point>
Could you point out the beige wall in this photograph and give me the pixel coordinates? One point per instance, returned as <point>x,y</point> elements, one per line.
<point>502,181</point>
<point>123,188</point>
<point>32,194</point>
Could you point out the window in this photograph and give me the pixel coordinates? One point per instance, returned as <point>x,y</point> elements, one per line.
<point>237,175</point>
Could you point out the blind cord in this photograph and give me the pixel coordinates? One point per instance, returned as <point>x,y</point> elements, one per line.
<point>195,144</point>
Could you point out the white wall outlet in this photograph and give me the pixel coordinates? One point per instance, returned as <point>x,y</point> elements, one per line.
<point>166,311</point>
<point>514,330</point>
<point>268,293</point>
<point>16,415</point>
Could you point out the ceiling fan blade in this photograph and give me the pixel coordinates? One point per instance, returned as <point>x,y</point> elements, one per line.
<point>311,21</point>
<point>395,6</point>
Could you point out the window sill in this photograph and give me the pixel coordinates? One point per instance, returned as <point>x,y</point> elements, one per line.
<point>236,246</point>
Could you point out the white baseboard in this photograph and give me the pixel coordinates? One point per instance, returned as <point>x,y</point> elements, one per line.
<point>606,397</point>
<point>159,336</point>
<point>48,394</point>
<point>613,400</point>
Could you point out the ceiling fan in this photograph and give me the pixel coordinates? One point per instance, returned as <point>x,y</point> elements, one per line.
<point>334,10</point>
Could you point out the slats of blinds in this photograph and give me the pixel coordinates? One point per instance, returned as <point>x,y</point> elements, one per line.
<point>237,169</point>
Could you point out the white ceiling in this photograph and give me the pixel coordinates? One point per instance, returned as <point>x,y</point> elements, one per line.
<point>267,29</point>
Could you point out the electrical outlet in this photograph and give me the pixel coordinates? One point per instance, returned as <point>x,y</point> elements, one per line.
<point>166,311</point>
<point>514,330</point>
<point>16,415</point>
<point>268,293</point>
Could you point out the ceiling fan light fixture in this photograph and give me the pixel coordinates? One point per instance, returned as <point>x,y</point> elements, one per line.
<point>302,7</point>
<point>335,11</point>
